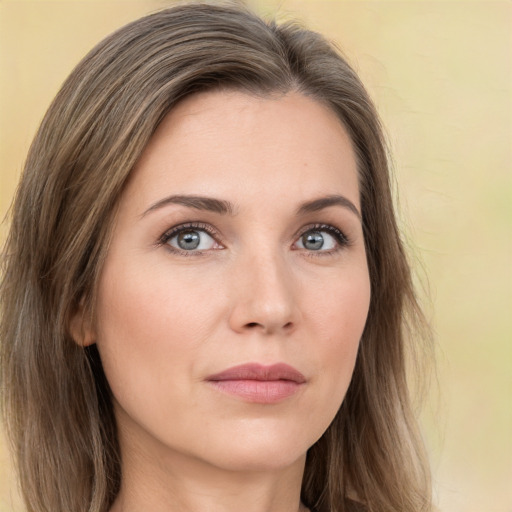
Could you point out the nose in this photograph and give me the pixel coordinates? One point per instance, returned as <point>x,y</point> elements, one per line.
<point>265,296</point>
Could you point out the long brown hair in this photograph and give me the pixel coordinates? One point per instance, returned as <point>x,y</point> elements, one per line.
<point>56,400</point>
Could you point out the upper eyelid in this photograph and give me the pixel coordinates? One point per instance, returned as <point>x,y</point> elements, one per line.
<point>329,228</point>
<point>199,226</point>
<point>320,227</point>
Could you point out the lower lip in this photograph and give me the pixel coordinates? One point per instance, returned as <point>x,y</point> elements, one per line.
<point>258,391</point>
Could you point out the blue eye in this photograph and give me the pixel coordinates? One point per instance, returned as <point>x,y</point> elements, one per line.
<point>195,238</point>
<point>189,239</point>
<point>322,239</point>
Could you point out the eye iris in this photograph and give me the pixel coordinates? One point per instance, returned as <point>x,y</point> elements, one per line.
<point>313,241</point>
<point>188,240</point>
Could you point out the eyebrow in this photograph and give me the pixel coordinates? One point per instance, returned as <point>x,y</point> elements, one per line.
<point>226,208</point>
<point>197,202</point>
<point>325,202</point>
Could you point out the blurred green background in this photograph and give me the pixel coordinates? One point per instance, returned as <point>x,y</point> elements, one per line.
<point>441,75</point>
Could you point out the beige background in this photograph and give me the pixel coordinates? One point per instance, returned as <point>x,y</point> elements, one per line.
<point>441,75</point>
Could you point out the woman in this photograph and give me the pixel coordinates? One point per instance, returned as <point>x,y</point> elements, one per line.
<point>205,299</point>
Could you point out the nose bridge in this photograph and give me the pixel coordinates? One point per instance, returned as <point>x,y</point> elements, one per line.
<point>265,297</point>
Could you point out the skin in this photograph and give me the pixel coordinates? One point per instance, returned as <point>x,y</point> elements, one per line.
<point>254,292</point>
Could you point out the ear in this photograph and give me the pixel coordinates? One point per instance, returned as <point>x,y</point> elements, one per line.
<point>81,328</point>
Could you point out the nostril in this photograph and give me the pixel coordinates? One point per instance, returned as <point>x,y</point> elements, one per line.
<point>253,325</point>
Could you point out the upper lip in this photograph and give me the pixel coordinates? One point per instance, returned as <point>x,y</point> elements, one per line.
<point>256,371</point>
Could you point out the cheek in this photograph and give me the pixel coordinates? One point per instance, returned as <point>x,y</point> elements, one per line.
<point>149,330</point>
<point>338,306</point>
<point>154,304</point>
<point>337,318</point>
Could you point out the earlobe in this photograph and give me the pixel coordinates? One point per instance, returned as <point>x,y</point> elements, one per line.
<point>81,328</point>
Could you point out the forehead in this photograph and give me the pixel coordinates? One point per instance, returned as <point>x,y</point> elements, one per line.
<point>228,143</point>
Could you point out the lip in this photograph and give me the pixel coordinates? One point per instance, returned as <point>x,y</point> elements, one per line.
<point>259,383</point>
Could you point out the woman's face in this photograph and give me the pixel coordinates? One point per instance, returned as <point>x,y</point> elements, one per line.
<point>238,244</point>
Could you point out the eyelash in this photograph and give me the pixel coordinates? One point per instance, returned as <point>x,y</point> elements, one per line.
<point>341,239</point>
<point>176,230</point>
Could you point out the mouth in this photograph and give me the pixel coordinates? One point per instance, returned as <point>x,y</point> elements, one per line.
<point>258,383</point>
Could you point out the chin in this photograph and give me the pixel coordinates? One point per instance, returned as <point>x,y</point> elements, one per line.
<point>260,450</point>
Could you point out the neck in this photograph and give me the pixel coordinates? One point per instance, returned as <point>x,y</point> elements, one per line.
<point>162,480</point>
